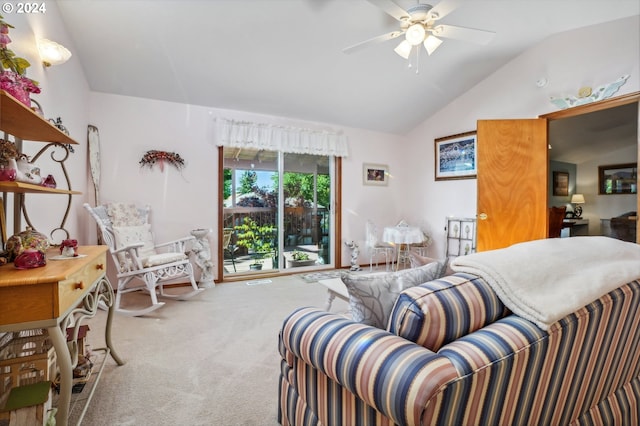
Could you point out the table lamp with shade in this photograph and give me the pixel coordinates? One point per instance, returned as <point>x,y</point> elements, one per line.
<point>576,200</point>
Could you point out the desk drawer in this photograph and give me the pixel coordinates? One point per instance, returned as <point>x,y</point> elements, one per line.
<point>77,285</point>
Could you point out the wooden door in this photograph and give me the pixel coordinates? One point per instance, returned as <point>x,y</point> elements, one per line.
<point>512,182</point>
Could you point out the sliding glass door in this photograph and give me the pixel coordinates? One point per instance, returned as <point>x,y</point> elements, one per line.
<point>276,211</point>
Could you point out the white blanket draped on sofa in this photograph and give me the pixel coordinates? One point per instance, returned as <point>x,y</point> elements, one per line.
<point>545,280</point>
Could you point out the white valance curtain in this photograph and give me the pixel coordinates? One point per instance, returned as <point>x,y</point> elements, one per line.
<point>271,137</point>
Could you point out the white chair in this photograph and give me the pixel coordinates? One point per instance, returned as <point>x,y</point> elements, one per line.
<point>375,246</point>
<point>127,232</point>
<point>422,247</point>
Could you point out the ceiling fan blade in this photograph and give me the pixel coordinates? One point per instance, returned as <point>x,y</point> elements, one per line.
<point>391,8</point>
<point>444,8</point>
<point>375,40</point>
<point>462,33</point>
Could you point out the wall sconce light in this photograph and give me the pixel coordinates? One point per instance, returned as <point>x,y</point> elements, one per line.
<point>52,53</point>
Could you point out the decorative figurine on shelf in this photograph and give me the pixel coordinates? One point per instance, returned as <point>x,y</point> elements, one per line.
<point>202,253</point>
<point>8,165</point>
<point>69,248</point>
<point>355,252</point>
<point>28,239</point>
<point>28,172</point>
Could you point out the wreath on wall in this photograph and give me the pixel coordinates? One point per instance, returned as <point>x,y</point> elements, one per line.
<point>153,157</point>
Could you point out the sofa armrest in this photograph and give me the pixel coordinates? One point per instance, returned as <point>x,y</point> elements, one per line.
<point>391,374</point>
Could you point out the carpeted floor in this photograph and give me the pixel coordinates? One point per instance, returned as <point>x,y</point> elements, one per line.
<point>212,360</point>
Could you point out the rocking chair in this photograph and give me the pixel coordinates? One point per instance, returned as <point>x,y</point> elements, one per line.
<point>125,229</point>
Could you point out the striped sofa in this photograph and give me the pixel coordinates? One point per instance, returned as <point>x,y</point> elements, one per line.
<point>453,354</point>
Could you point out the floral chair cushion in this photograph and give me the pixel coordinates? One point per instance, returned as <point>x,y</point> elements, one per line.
<point>123,214</point>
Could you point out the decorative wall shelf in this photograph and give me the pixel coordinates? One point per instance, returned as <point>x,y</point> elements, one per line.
<point>28,188</point>
<point>23,123</point>
<point>19,120</point>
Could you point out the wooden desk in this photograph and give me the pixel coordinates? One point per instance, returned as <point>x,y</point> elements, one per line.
<point>576,226</point>
<point>56,296</point>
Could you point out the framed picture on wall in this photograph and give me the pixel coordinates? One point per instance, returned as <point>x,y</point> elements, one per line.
<point>561,184</point>
<point>456,156</point>
<point>618,179</point>
<point>375,174</point>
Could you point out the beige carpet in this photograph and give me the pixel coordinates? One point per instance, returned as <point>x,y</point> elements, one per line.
<point>212,360</point>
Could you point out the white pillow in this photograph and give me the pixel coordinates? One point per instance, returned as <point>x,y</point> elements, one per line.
<point>127,235</point>
<point>371,297</point>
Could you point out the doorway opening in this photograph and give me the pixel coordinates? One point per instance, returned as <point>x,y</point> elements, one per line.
<point>276,211</point>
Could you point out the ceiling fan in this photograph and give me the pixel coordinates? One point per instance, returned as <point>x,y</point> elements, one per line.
<point>419,24</point>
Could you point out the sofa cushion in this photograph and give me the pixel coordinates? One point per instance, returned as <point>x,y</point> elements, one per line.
<point>371,296</point>
<point>438,312</point>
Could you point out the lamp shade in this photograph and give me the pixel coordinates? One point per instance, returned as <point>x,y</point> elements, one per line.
<point>431,43</point>
<point>403,49</point>
<point>577,199</point>
<point>415,34</point>
<point>52,53</point>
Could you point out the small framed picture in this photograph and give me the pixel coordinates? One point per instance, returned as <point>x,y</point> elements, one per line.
<point>456,156</point>
<point>561,184</point>
<point>375,174</point>
<point>618,179</point>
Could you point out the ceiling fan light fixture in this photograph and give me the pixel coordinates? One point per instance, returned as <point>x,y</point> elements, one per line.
<point>415,34</point>
<point>431,43</point>
<point>403,49</point>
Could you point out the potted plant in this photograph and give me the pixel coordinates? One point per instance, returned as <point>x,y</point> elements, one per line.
<point>258,239</point>
<point>300,258</point>
<point>13,70</point>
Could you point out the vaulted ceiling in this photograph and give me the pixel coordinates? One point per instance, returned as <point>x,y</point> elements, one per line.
<point>284,57</point>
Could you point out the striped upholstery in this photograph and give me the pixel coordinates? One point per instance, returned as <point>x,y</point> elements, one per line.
<point>585,371</point>
<point>389,374</point>
<point>438,312</point>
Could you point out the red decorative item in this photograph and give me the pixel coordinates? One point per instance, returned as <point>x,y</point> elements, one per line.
<point>49,182</point>
<point>7,173</point>
<point>29,259</point>
<point>13,70</point>
<point>69,248</point>
<point>25,240</point>
<point>150,158</point>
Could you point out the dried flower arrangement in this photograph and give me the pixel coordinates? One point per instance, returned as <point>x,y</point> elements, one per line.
<point>153,157</point>
<point>8,151</point>
<point>13,69</point>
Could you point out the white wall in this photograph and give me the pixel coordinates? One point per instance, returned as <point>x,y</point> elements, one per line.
<point>182,201</point>
<point>590,56</point>
<point>64,94</point>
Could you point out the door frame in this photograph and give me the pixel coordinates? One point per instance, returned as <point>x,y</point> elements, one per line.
<point>570,112</point>
<point>601,106</point>
<point>335,210</point>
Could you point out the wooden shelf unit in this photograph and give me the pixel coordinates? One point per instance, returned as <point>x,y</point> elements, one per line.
<point>23,123</point>
<point>20,121</point>
<point>28,188</point>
